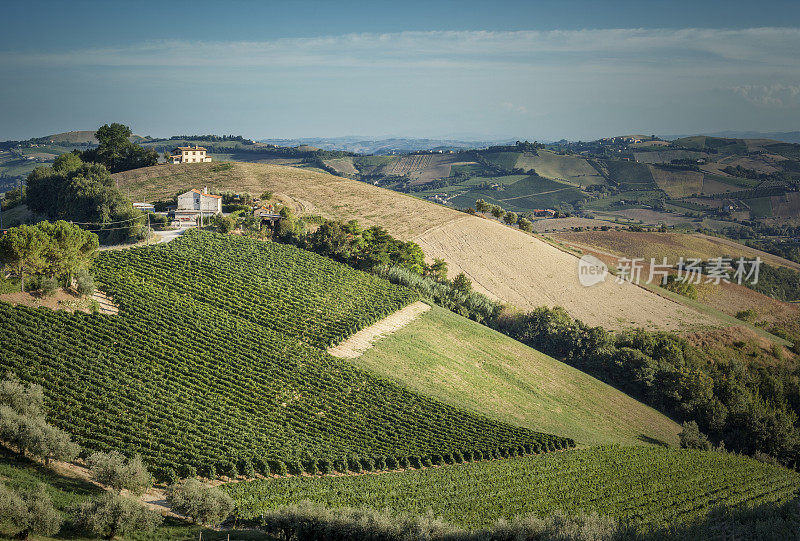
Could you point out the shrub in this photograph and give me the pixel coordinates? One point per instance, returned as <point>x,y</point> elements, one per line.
<point>748,315</point>
<point>426,461</point>
<point>247,469</point>
<point>525,225</point>
<point>84,283</point>
<point>380,463</point>
<point>31,511</point>
<point>692,438</point>
<point>310,467</point>
<point>510,218</point>
<point>113,470</point>
<point>278,467</point>
<point>324,466</point>
<point>403,462</point>
<point>340,465</point>
<point>48,285</point>
<point>111,515</point>
<point>204,504</point>
<point>391,463</point>
<point>368,464</point>
<point>354,465</point>
<point>415,462</point>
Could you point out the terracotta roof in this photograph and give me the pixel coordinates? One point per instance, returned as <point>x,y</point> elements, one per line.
<point>190,148</point>
<point>195,190</point>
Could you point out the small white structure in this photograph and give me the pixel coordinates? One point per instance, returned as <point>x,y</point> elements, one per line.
<point>195,203</point>
<point>189,155</point>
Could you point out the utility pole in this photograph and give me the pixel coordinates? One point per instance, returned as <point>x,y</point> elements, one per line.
<point>149,231</point>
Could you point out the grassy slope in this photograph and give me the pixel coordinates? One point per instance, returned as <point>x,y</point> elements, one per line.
<point>651,486</point>
<point>468,365</point>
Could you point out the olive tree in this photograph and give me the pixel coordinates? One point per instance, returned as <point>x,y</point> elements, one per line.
<point>31,511</point>
<point>23,424</point>
<point>204,504</point>
<point>115,471</point>
<point>112,514</point>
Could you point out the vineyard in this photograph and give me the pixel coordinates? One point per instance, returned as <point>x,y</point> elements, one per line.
<point>215,364</point>
<point>647,487</point>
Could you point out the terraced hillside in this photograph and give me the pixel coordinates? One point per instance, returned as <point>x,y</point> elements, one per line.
<point>502,262</point>
<point>468,365</point>
<point>215,364</point>
<point>649,487</point>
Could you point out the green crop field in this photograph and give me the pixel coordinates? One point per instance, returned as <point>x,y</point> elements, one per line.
<point>468,365</point>
<point>649,487</point>
<point>631,175</point>
<point>761,207</point>
<point>215,360</point>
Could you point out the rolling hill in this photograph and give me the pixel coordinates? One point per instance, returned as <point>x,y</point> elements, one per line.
<point>468,365</point>
<point>216,364</point>
<point>502,262</point>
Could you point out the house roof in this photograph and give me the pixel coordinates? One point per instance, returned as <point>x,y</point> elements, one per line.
<point>195,190</point>
<point>190,148</point>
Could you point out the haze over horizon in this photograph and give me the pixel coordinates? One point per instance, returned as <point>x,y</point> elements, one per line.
<point>451,70</point>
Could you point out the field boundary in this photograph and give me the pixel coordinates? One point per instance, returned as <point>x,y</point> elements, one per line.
<point>360,342</point>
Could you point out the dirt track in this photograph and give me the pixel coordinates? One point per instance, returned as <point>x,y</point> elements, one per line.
<point>362,340</point>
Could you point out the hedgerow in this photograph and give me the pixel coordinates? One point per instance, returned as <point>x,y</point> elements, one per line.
<point>215,365</point>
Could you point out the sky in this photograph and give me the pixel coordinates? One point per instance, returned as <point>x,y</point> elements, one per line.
<point>470,70</point>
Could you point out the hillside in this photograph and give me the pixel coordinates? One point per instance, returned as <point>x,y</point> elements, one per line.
<point>216,364</point>
<point>502,262</point>
<point>471,366</point>
<point>649,487</point>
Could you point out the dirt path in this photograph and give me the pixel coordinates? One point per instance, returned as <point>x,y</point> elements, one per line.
<point>364,339</point>
<point>106,305</point>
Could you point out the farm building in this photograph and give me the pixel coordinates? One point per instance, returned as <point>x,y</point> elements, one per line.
<point>189,155</point>
<point>195,203</point>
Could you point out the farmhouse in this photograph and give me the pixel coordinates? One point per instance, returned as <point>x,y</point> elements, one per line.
<point>195,203</point>
<point>189,155</point>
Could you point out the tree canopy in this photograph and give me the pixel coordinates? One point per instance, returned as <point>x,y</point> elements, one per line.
<point>117,152</point>
<point>84,193</point>
<point>59,249</point>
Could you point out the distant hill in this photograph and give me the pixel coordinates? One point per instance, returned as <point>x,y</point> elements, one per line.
<point>383,146</point>
<point>785,137</point>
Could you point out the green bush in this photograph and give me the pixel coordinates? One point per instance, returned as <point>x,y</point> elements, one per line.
<point>111,515</point>
<point>204,504</point>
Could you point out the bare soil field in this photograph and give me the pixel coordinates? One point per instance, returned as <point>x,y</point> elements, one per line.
<point>410,164</point>
<point>762,164</point>
<point>526,272</point>
<point>786,205</point>
<point>438,167</point>
<point>711,187</point>
<point>342,165</point>
<point>733,298</point>
<point>62,300</point>
<point>678,183</point>
<point>670,245</point>
<point>503,262</point>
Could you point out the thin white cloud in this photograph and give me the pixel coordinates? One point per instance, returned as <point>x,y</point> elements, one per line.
<point>603,50</point>
<point>775,95</point>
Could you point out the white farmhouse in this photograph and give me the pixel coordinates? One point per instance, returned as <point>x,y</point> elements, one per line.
<point>195,203</point>
<point>189,155</point>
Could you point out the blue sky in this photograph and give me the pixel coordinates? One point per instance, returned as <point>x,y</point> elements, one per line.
<point>542,70</point>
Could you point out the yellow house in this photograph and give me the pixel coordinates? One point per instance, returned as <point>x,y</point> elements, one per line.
<point>189,155</point>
